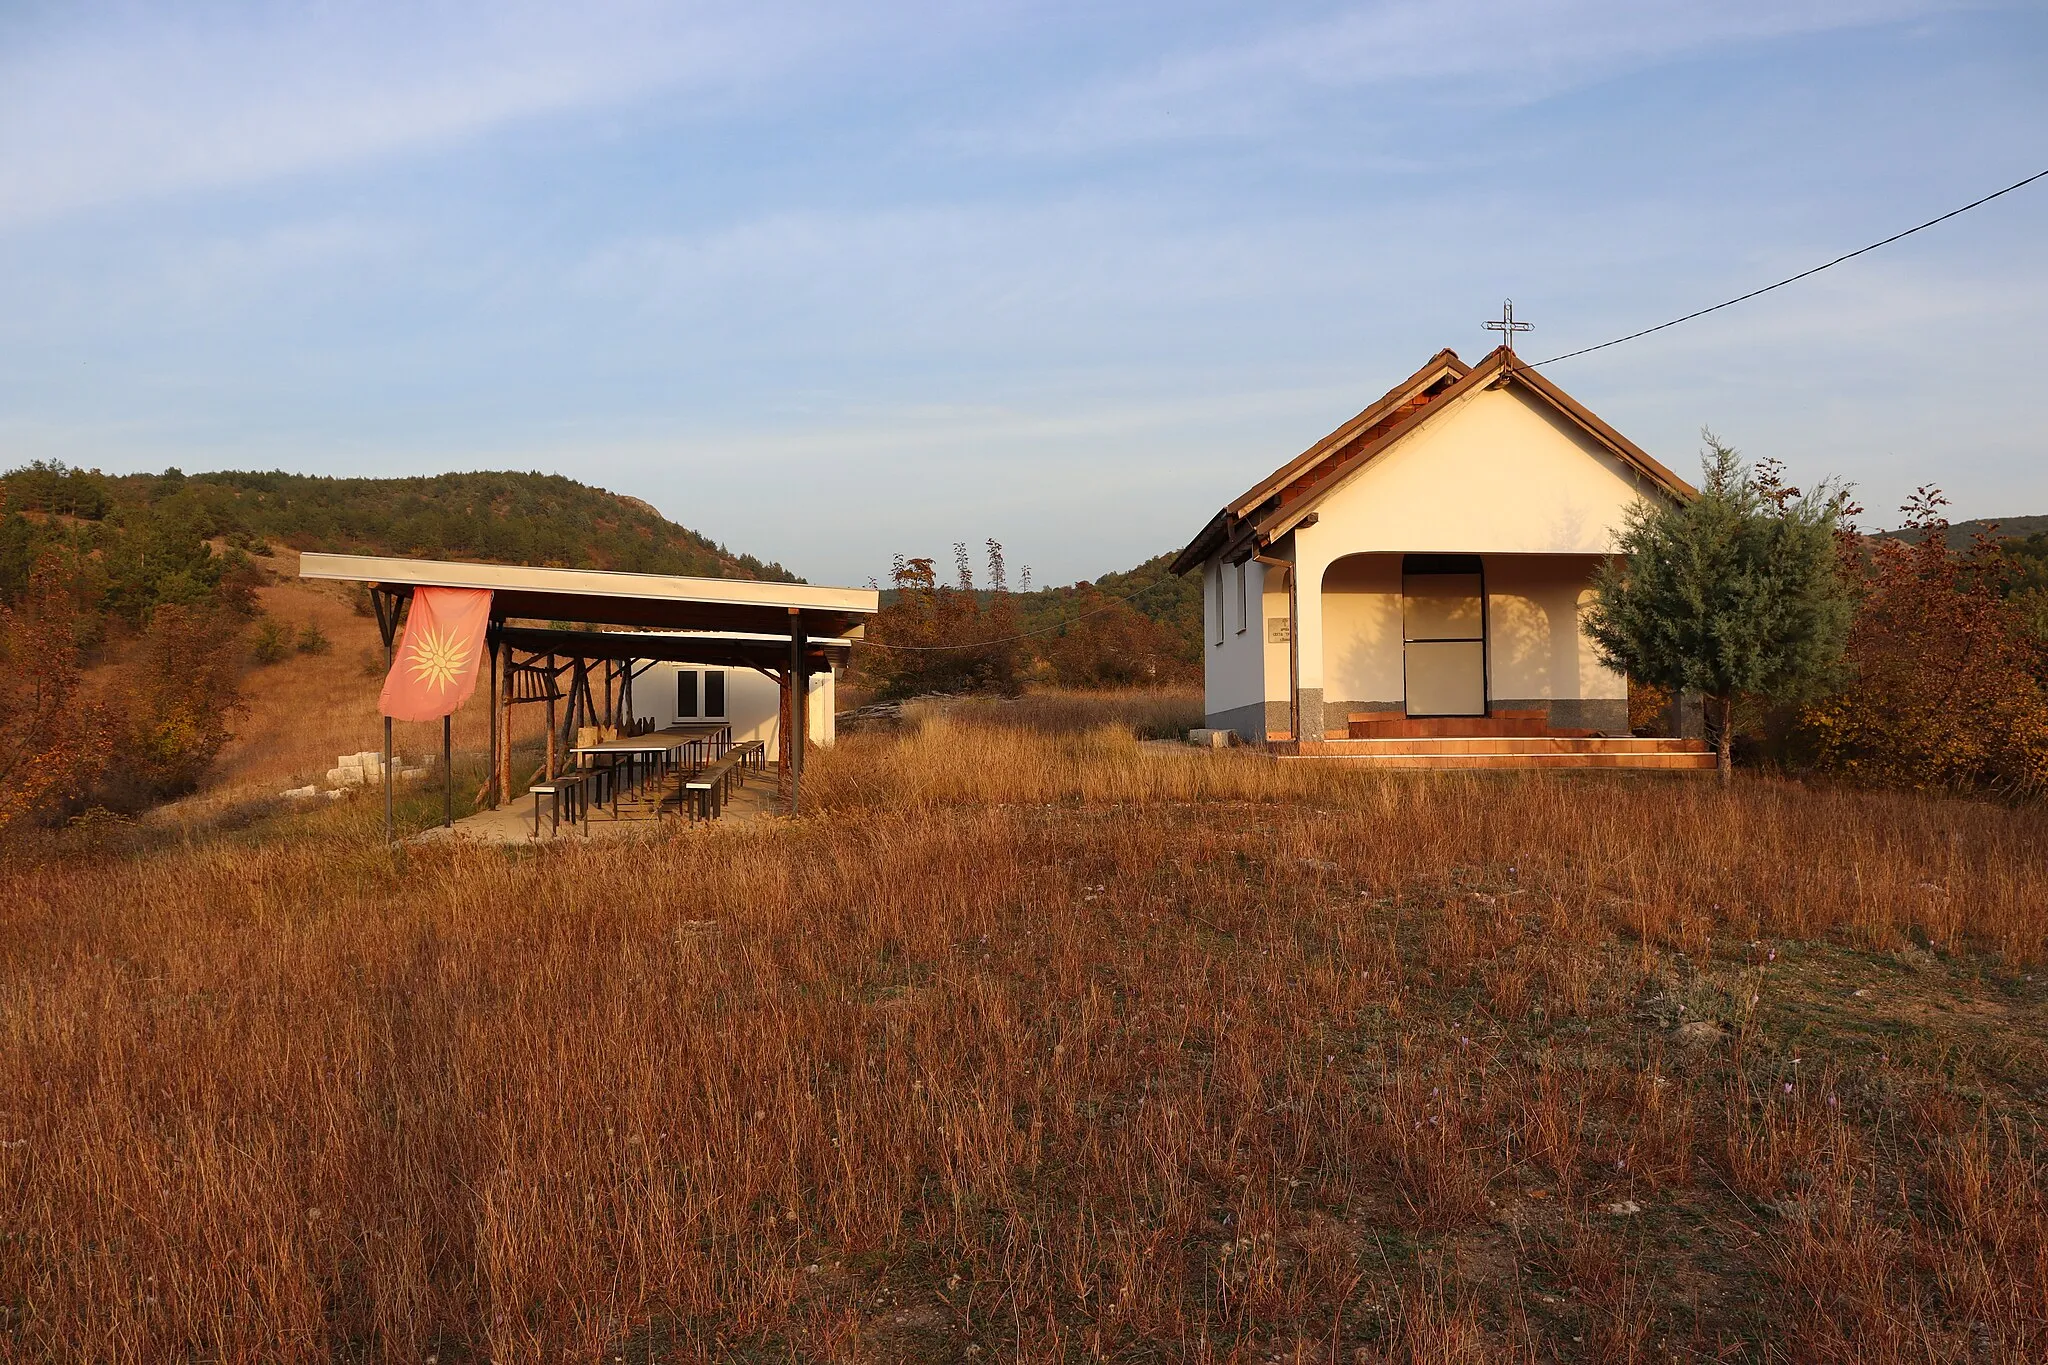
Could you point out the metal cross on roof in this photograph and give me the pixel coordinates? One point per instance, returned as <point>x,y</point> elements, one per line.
<point>1507,326</point>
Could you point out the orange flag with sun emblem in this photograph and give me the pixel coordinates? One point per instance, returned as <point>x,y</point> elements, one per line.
<point>434,670</point>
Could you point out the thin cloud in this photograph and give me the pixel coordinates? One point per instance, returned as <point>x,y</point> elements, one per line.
<point>1447,51</point>
<point>171,98</point>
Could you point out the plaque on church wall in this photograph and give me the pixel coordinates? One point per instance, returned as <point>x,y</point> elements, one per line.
<point>1277,632</point>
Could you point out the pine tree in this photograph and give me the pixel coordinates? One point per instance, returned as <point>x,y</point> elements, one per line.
<point>1738,592</point>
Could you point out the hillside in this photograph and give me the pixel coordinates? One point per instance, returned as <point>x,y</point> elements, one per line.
<point>1173,602</point>
<point>504,516</point>
<point>1961,533</point>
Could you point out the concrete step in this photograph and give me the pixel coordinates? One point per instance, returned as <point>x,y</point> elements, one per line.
<point>1519,723</point>
<point>1502,744</point>
<point>1665,760</point>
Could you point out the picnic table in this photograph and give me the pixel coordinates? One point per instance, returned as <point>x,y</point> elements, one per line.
<point>654,754</point>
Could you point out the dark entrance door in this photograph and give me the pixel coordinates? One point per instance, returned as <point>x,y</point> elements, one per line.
<point>1443,635</point>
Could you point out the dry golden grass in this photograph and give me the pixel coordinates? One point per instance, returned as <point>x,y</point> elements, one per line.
<point>1046,1047</point>
<point>1161,713</point>
<point>303,713</point>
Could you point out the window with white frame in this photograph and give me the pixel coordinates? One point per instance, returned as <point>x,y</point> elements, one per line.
<point>1217,598</point>
<point>1241,621</point>
<point>700,694</point>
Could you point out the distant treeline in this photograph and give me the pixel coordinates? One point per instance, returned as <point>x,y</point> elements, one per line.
<point>1959,534</point>
<point>1139,628</point>
<point>510,517</point>
<point>1173,603</point>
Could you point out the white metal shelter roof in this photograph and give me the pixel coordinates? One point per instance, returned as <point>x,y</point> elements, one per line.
<point>605,597</point>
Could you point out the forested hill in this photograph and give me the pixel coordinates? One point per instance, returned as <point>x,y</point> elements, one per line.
<point>506,517</point>
<point>1175,603</point>
<point>1961,533</point>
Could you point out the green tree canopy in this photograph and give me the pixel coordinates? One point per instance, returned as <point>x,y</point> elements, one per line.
<point>1736,592</point>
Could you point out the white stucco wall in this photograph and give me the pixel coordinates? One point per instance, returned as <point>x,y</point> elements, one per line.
<point>1494,473</point>
<point>1362,630</point>
<point>1233,671</point>
<point>1535,648</point>
<point>1279,662</point>
<point>753,703</point>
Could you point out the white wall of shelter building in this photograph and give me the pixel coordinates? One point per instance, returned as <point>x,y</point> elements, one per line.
<point>752,701</point>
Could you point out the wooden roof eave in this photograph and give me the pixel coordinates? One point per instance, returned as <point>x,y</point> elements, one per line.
<point>1627,451</point>
<point>1498,366</point>
<point>1226,531</point>
<point>1443,363</point>
<point>1283,518</point>
<point>1205,543</point>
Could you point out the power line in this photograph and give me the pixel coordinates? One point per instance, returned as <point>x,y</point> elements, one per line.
<point>1791,279</point>
<point>1568,355</point>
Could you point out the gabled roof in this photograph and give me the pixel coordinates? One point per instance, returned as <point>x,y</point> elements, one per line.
<point>1278,503</point>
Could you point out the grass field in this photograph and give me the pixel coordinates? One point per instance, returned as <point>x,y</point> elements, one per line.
<point>1038,1044</point>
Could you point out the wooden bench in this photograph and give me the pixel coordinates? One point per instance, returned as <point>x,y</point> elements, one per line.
<point>706,789</point>
<point>752,754</point>
<point>570,789</point>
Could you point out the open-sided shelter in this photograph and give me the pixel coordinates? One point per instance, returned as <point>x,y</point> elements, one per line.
<point>579,640</point>
<point>1419,574</point>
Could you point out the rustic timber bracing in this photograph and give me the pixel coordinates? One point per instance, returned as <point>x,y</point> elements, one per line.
<point>575,641</point>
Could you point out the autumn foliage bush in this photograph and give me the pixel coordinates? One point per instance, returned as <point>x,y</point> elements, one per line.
<point>52,741</point>
<point>938,637</point>
<point>144,725</point>
<point>181,689</point>
<point>1109,643</point>
<point>1947,674</point>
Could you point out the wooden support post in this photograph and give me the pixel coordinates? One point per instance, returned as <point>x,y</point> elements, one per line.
<point>551,717</point>
<point>492,794</point>
<point>800,706</point>
<point>505,731</point>
<point>566,734</point>
<point>490,778</point>
<point>785,772</point>
<point>793,713</point>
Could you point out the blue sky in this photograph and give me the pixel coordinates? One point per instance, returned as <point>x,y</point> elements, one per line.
<point>828,282</point>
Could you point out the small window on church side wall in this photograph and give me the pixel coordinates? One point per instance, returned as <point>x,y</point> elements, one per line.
<point>686,693</point>
<point>1242,623</point>
<point>714,694</point>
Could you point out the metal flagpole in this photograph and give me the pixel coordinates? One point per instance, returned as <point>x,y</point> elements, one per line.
<point>448,768</point>
<point>389,624</point>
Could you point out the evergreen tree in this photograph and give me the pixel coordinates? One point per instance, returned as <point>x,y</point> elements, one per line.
<point>1738,592</point>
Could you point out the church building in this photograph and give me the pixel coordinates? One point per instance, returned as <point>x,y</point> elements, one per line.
<point>1419,573</point>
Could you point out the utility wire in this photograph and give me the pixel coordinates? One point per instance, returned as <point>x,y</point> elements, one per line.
<point>1568,355</point>
<point>1790,279</point>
